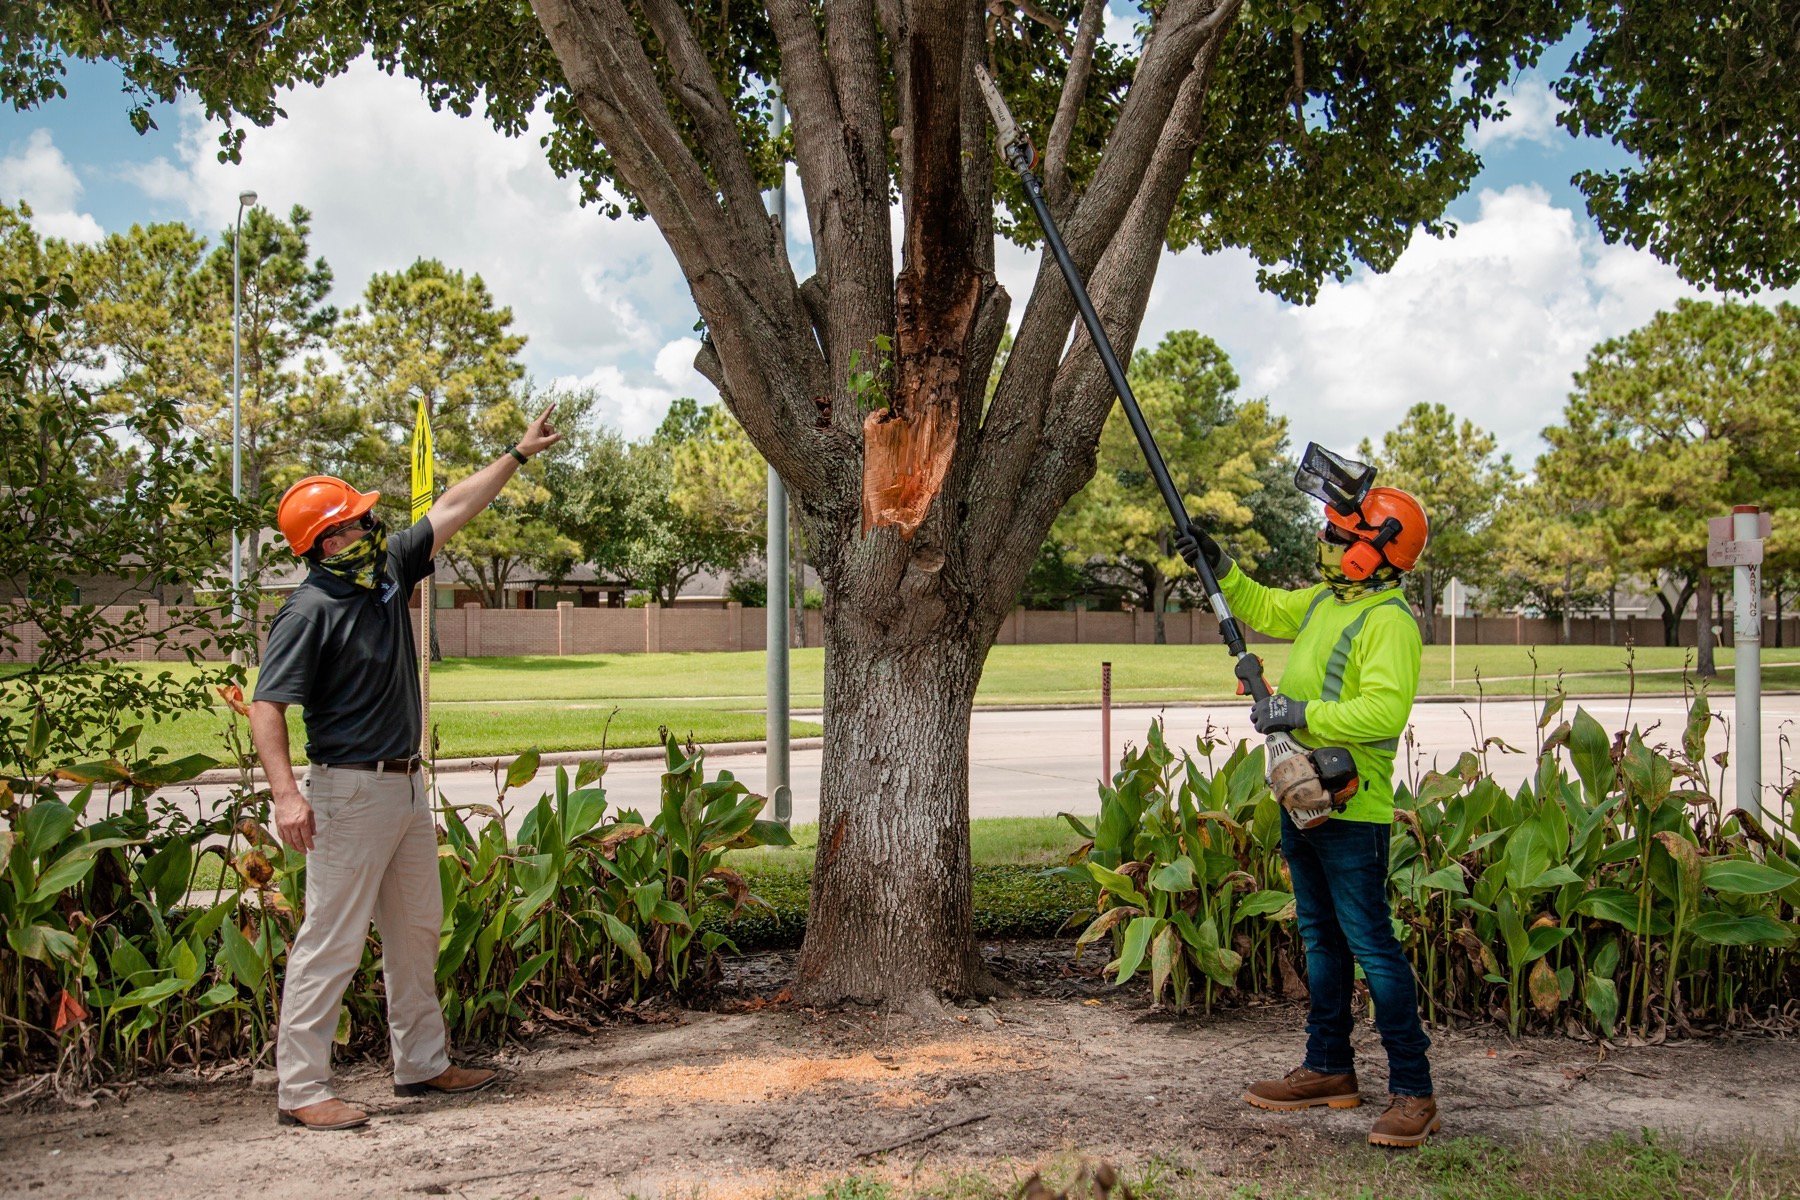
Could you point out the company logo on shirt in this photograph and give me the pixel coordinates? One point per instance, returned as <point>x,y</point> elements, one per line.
<point>388,589</point>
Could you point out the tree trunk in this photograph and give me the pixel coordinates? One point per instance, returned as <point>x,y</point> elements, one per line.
<point>1703,627</point>
<point>1778,591</point>
<point>1428,610</point>
<point>1612,615</point>
<point>891,917</point>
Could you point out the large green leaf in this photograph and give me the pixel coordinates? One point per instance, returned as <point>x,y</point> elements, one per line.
<point>1177,876</point>
<point>1119,885</point>
<point>242,957</point>
<point>1137,942</point>
<point>1602,998</point>
<point>521,770</point>
<point>168,774</point>
<point>1591,751</point>
<point>46,943</point>
<point>1741,877</point>
<point>43,826</point>
<point>1446,879</point>
<point>1729,929</point>
<point>1621,907</point>
<point>625,939</point>
<point>1267,903</point>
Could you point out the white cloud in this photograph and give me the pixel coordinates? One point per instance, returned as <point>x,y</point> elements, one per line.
<point>1531,112</point>
<point>1492,323</point>
<point>37,173</point>
<point>389,181</point>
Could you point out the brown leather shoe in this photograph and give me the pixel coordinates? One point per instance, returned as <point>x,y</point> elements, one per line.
<point>453,1081</point>
<point>1408,1121</point>
<point>1302,1088</point>
<point>326,1114</point>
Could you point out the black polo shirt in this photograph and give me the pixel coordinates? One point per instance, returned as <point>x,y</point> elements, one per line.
<point>347,656</point>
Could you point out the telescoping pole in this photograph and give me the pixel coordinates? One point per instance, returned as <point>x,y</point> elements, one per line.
<point>1020,155</point>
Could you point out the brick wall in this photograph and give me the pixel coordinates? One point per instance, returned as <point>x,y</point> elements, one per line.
<point>474,632</point>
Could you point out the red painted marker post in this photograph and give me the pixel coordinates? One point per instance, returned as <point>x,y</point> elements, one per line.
<point>1105,722</point>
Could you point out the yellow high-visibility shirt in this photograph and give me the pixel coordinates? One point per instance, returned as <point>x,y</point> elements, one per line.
<point>1355,664</point>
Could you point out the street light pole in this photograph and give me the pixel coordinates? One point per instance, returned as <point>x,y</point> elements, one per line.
<point>775,601</point>
<point>245,200</point>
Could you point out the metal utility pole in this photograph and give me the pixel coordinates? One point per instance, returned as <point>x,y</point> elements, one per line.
<point>776,603</point>
<point>245,200</point>
<point>1736,541</point>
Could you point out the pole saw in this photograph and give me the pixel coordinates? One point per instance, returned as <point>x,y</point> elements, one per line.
<point>1310,783</point>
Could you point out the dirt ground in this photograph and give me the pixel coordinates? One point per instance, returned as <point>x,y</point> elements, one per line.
<point>756,1097</point>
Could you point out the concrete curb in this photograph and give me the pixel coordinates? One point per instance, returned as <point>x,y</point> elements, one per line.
<point>555,758</point>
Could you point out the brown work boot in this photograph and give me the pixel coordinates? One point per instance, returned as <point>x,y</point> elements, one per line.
<point>1408,1121</point>
<point>1302,1088</point>
<point>449,1083</point>
<point>326,1114</point>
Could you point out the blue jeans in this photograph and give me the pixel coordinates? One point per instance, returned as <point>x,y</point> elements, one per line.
<point>1340,872</point>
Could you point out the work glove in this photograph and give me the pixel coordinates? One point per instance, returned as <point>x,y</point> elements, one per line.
<point>1196,542</point>
<point>1278,714</point>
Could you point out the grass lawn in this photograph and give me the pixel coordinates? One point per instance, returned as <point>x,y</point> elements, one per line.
<point>504,705</point>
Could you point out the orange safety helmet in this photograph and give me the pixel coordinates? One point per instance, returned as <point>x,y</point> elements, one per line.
<point>1389,526</point>
<point>314,505</point>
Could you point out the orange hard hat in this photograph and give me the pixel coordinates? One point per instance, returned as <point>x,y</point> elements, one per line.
<point>1389,526</point>
<point>317,503</point>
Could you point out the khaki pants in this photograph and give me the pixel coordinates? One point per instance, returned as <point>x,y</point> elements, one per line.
<point>374,858</point>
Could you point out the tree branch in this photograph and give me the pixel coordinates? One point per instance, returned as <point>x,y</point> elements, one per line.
<point>698,89</point>
<point>1068,108</point>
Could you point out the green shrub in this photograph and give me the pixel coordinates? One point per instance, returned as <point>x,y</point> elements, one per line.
<point>1612,889</point>
<point>111,959</point>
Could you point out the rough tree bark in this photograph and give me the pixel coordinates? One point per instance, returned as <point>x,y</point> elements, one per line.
<point>924,515</point>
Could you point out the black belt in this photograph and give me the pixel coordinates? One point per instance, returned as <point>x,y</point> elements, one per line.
<point>387,766</point>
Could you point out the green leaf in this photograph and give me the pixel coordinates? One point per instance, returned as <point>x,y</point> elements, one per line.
<point>1741,877</point>
<point>623,937</point>
<point>526,971</point>
<point>1591,751</point>
<point>589,770</point>
<point>216,996</point>
<point>522,769</point>
<point>1137,942</point>
<point>1446,879</point>
<point>1729,929</point>
<point>1546,938</point>
<point>1693,738</point>
<point>242,957</point>
<point>1177,876</point>
<point>169,774</point>
<point>1621,907</point>
<point>1602,998</point>
<point>45,943</point>
<point>1267,903</point>
<point>1077,826</point>
<point>1119,885</point>
<point>43,826</point>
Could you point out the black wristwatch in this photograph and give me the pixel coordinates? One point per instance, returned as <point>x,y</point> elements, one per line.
<point>518,454</point>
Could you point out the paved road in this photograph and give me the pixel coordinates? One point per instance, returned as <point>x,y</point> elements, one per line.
<point>1039,763</point>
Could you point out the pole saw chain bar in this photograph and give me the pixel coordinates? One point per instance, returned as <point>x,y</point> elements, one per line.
<point>1310,784</point>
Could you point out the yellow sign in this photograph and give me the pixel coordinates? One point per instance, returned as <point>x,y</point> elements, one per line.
<point>422,483</point>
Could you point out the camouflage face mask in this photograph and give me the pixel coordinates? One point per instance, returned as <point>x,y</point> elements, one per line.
<point>1347,589</point>
<point>363,562</point>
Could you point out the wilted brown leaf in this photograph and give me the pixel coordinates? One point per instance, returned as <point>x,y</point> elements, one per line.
<point>255,868</point>
<point>69,1011</point>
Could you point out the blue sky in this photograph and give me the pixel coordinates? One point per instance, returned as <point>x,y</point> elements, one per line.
<point>1492,322</point>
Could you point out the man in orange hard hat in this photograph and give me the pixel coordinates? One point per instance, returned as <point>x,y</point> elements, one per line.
<point>1349,684</point>
<point>342,648</point>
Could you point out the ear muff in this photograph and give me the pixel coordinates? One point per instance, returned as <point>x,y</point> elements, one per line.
<point>1365,558</point>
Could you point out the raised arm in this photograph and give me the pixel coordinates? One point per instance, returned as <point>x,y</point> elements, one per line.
<point>458,505</point>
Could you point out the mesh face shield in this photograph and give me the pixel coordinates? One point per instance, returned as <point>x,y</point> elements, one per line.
<point>1333,479</point>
